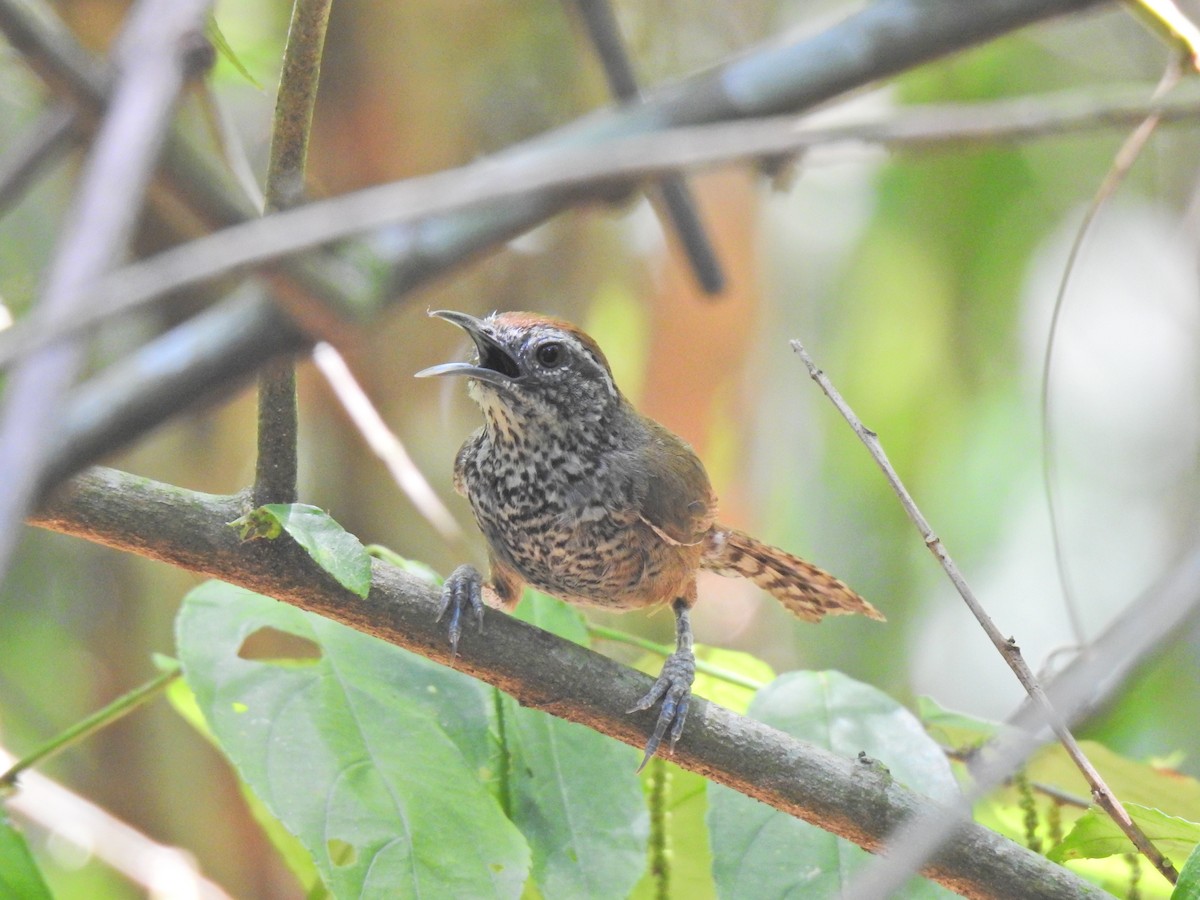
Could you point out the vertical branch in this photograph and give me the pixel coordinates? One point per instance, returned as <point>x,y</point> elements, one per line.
<point>160,48</point>
<point>275,471</point>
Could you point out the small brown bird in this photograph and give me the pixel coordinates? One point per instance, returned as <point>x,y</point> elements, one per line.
<point>582,497</point>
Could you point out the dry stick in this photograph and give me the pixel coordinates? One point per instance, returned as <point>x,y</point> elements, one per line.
<point>1007,648</point>
<point>159,49</point>
<point>277,463</point>
<point>1126,156</point>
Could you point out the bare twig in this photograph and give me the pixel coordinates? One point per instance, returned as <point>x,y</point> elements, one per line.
<point>883,885</point>
<point>1007,648</point>
<point>453,190</point>
<point>157,52</point>
<point>543,671</point>
<point>1121,165</point>
<point>383,442</point>
<point>605,35</point>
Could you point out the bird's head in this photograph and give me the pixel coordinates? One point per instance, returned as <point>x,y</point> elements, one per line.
<point>531,368</point>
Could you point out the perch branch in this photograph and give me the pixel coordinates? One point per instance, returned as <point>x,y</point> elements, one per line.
<point>857,802</point>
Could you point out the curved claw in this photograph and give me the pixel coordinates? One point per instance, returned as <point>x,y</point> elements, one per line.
<point>462,589</point>
<point>674,688</point>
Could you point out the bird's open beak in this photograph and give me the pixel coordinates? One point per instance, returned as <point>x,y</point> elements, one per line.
<point>495,365</point>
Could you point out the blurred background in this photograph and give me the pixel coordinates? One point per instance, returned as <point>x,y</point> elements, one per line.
<point>921,281</point>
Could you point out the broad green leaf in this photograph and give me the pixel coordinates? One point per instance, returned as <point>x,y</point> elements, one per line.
<point>573,792</point>
<point>951,728</point>
<point>19,874</point>
<point>728,680</point>
<point>1188,886</point>
<point>331,546</point>
<point>293,853</point>
<point>1096,836</point>
<point>376,759</point>
<point>761,852</point>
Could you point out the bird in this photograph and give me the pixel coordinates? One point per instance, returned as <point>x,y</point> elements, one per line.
<point>584,498</point>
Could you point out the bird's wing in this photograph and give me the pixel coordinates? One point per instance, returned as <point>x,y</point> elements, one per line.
<point>677,501</point>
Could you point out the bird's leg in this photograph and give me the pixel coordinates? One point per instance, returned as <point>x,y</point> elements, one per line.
<point>463,589</point>
<point>673,687</point>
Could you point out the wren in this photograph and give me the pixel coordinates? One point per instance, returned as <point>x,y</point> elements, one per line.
<point>584,498</point>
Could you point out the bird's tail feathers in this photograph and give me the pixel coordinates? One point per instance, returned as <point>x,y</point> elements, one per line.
<point>807,591</point>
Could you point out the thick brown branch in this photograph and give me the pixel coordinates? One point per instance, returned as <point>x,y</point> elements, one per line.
<point>856,801</point>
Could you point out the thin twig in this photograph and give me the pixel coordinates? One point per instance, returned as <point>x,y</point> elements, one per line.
<point>1126,156</point>
<point>277,462</point>
<point>86,727</point>
<point>605,35</point>
<point>159,49</point>
<point>384,443</point>
<point>1006,647</point>
<point>512,176</point>
<point>43,145</point>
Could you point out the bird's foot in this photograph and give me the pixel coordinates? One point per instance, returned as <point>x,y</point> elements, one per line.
<point>674,688</point>
<point>463,589</point>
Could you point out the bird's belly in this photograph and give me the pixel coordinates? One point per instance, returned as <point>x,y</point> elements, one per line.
<point>603,562</point>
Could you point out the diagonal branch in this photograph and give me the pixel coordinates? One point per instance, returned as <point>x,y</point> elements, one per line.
<point>887,37</point>
<point>854,801</point>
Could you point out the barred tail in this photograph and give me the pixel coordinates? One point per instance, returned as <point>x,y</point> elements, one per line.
<point>807,591</point>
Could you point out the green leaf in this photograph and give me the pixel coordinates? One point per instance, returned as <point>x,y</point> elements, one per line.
<point>19,874</point>
<point>761,852</point>
<point>411,566</point>
<point>1188,886</point>
<point>376,759</point>
<point>574,792</point>
<point>962,732</point>
<point>222,46</point>
<point>289,848</point>
<point>331,546</point>
<point>1096,836</point>
<point>732,692</point>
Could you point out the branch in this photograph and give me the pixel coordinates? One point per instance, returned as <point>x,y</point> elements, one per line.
<point>277,461</point>
<point>605,34</point>
<point>887,37</point>
<point>97,832</point>
<point>856,802</point>
<point>885,881</point>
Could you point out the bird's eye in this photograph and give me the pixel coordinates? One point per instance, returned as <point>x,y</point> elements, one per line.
<point>550,355</point>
